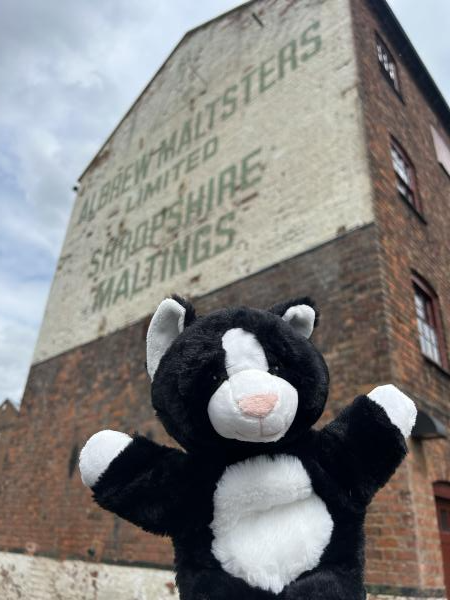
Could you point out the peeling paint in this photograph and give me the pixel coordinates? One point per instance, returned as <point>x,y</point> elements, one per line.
<point>249,132</point>
<point>25,577</point>
<point>37,578</point>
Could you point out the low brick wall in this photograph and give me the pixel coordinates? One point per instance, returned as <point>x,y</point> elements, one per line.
<point>37,578</point>
<point>25,577</point>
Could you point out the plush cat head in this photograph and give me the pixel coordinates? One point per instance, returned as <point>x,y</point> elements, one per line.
<point>239,376</point>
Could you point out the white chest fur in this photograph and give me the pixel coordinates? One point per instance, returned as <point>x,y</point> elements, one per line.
<point>269,526</point>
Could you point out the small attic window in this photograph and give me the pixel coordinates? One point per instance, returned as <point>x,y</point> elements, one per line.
<point>387,64</point>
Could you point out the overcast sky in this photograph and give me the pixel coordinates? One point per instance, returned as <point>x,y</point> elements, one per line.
<point>68,73</point>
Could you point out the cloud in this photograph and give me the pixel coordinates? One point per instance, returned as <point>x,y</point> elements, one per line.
<point>69,71</point>
<point>427,25</point>
<point>21,306</point>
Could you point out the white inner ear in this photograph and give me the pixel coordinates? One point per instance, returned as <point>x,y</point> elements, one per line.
<point>243,352</point>
<point>165,327</point>
<point>301,319</point>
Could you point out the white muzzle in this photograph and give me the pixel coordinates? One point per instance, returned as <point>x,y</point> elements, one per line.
<point>253,406</point>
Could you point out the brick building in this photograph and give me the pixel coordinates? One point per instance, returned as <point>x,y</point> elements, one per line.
<point>284,148</point>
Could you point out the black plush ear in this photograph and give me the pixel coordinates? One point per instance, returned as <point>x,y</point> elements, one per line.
<point>190,315</point>
<point>172,316</point>
<point>300,313</point>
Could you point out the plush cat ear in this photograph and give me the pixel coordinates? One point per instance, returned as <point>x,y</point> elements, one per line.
<point>299,313</point>
<point>172,316</point>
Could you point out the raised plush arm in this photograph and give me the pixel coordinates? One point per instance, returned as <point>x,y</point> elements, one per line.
<point>137,479</point>
<point>366,443</point>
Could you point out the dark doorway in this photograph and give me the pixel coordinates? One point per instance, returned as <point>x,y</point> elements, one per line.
<point>442,495</point>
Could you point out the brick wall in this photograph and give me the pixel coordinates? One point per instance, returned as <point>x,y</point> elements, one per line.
<point>299,133</point>
<point>362,283</point>
<point>45,509</point>
<point>38,578</point>
<point>408,242</point>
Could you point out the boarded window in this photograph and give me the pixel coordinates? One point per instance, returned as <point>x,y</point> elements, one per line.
<point>442,150</point>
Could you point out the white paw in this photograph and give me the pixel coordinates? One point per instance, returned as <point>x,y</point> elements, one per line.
<point>400,409</point>
<point>98,453</point>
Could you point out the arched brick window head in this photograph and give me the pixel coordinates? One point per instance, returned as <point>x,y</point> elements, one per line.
<point>429,324</point>
<point>442,496</point>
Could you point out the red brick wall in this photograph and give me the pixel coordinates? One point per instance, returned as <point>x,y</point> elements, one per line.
<point>362,283</point>
<point>408,243</point>
<point>45,508</point>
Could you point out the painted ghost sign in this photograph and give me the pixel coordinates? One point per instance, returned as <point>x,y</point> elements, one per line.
<point>245,149</point>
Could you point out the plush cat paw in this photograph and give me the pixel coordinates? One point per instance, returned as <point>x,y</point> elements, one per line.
<point>98,453</point>
<point>400,409</point>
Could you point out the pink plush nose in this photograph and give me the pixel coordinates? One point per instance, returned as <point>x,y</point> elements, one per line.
<point>258,405</point>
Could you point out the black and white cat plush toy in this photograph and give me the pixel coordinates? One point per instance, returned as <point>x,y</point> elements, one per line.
<point>258,504</point>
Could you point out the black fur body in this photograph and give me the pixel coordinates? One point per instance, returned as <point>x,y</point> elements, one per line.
<point>170,492</point>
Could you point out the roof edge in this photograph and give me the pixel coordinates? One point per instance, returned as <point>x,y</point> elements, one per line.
<point>412,60</point>
<point>402,42</point>
<point>8,402</point>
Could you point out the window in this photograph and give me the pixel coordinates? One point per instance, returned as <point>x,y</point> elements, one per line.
<point>428,322</point>
<point>442,150</point>
<point>405,174</point>
<point>387,64</point>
